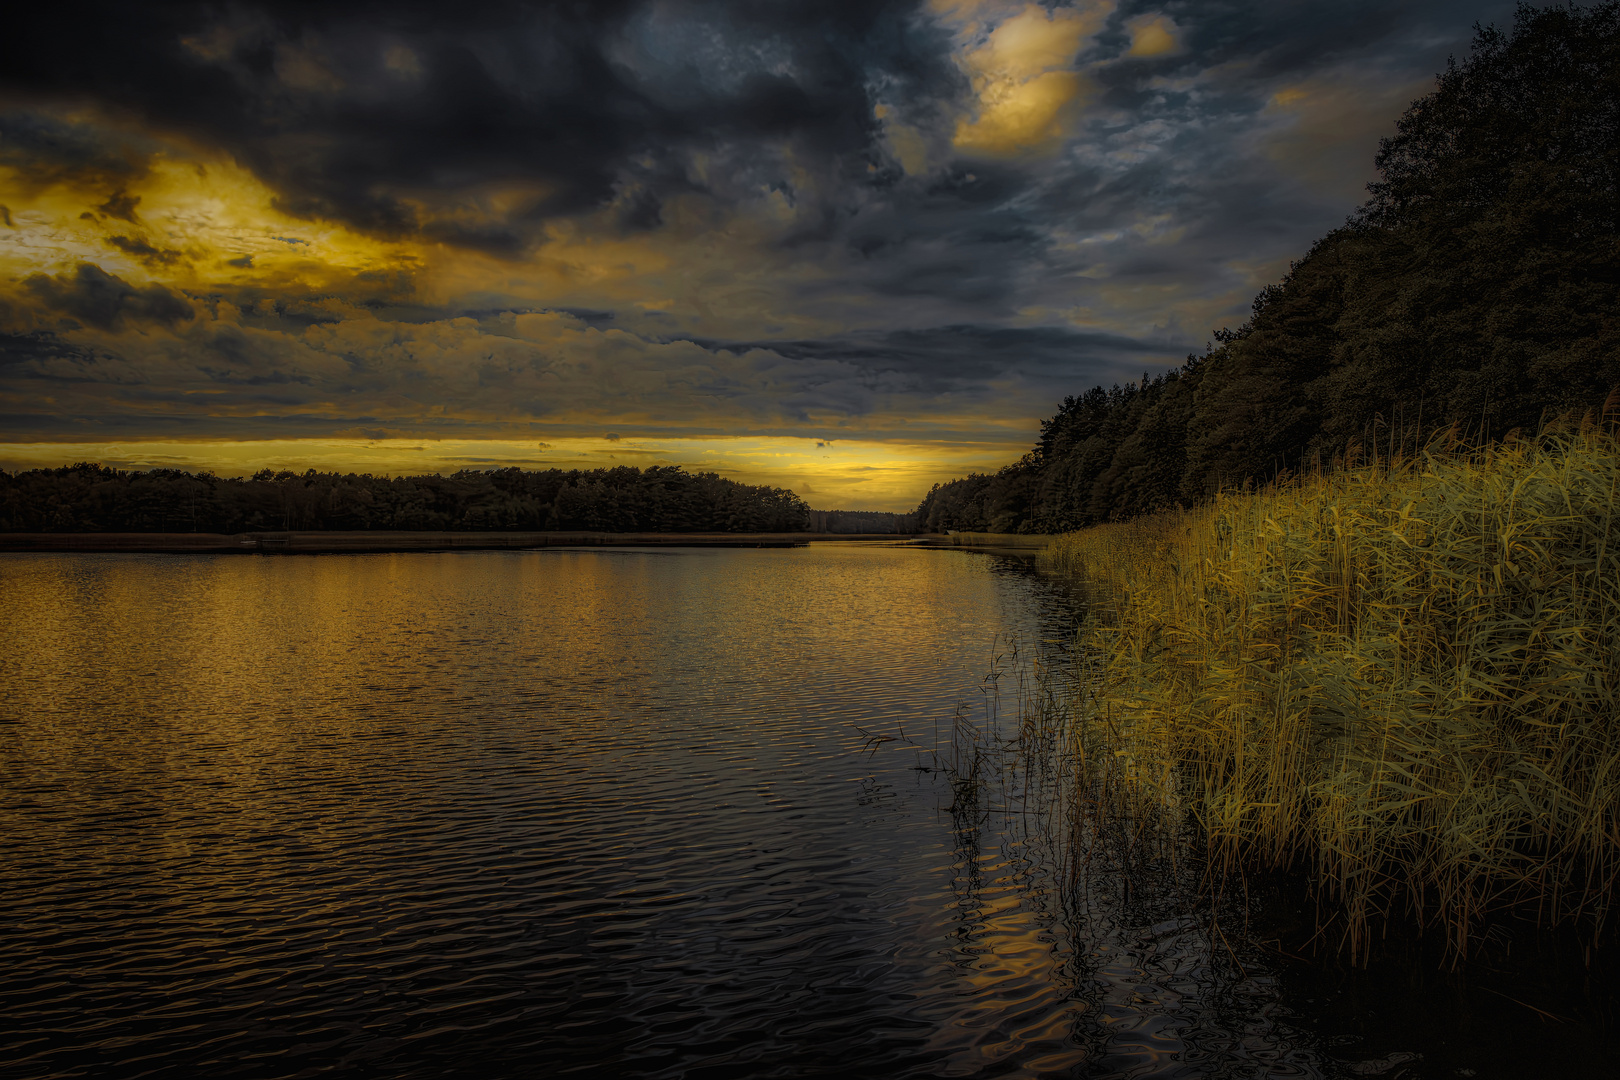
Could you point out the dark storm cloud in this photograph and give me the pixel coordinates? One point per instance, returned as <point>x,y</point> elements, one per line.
<point>1280,38</point>
<point>301,368</point>
<point>17,349</point>
<point>142,250</point>
<point>947,358</point>
<point>472,124</point>
<point>121,205</point>
<point>94,297</point>
<point>1182,183</point>
<point>42,150</point>
<point>402,117</point>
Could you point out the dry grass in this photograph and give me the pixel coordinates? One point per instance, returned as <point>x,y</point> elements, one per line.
<point>1402,676</point>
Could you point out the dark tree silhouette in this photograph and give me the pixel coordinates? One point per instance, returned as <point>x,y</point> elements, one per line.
<point>664,498</point>
<point>1478,287</point>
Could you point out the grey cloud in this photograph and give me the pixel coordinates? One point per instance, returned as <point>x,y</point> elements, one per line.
<point>121,205</point>
<point>142,249</point>
<point>613,106</point>
<point>961,353</point>
<point>43,149</point>
<point>483,377</point>
<point>1282,38</point>
<point>93,296</point>
<point>31,348</point>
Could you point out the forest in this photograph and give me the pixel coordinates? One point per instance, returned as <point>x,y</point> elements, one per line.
<point>662,498</point>
<point>1476,293</point>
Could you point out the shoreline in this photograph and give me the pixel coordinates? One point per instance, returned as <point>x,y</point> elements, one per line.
<point>362,542</point>
<point>316,542</point>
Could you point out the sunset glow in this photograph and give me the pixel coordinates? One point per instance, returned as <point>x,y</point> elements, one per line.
<point>310,241</point>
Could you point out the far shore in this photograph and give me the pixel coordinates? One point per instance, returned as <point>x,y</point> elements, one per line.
<point>357,542</point>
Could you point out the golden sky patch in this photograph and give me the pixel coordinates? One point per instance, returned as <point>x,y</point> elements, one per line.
<point>829,475</point>
<point>200,223</point>
<point>188,223</point>
<point>1153,36</point>
<point>1022,72</point>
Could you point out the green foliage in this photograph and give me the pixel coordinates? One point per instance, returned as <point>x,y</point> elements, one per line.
<point>1478,288</point>
<point>663,498</point>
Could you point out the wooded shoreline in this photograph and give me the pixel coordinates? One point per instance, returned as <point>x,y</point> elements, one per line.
<point>324,542</point>
<point>316,542</point>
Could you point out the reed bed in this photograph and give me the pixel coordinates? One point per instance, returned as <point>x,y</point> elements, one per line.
<point>1401,676</point>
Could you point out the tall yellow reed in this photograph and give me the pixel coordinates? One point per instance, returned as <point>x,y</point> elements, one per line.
<point>1402,676</point>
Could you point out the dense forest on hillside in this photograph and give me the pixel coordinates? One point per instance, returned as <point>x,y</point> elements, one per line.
<point>1477,291</point>
<point>663,498</point>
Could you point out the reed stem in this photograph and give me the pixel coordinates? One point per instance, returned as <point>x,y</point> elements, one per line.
<point>1400,675</point>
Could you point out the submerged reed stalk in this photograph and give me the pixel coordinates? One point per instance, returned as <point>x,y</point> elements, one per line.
<point>1402,676</point>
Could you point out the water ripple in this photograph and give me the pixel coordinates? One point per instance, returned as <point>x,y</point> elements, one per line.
<point>560,813</point>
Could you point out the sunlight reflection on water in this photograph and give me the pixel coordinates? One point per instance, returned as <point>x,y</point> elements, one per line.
<point>604,811</point>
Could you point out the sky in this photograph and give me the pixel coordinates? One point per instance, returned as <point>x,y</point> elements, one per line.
<point>851,249</point>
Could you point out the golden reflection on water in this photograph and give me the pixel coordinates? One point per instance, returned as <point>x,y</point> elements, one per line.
<point>611,809</point>
<point>524,784</point>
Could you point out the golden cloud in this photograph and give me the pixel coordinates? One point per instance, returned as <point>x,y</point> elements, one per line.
<point>1153,35</point>
<point>1023,76</point>
<point>189,221</point>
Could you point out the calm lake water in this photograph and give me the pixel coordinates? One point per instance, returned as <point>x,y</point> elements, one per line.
<point>597,812</point>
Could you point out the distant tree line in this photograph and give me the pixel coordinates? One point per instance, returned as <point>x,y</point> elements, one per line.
<point>859,521</point>
<point>1478,290</point>
<point>663,498</point>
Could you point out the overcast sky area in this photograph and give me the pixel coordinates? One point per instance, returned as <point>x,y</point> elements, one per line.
<point>852,249</point>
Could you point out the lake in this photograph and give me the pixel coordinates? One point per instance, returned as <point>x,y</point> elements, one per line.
<point>616,812</point>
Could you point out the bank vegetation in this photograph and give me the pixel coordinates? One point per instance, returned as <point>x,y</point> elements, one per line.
<point>1398,676</point>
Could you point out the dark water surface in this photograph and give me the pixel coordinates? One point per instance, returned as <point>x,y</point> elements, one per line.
<point>595,812</point>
